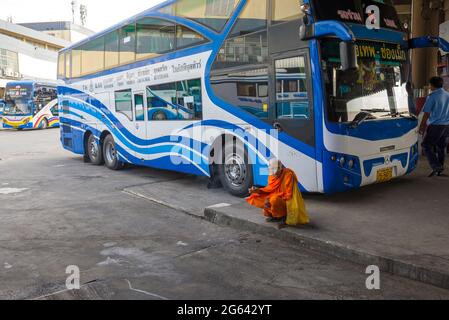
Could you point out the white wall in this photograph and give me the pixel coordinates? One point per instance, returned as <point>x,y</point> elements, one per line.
<point>35,68</point>
<point>34,63</point>
<point>77,36</point>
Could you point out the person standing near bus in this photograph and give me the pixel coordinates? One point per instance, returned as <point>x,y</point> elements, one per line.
<point>436,119</point>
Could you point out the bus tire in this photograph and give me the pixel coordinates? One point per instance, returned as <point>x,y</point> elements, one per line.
<point>235,172</point>
<point>94,151</point>
<point>111,158</point>
<point>44,124</point>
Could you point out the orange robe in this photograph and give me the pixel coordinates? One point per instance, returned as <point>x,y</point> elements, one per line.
<point>278,192</point>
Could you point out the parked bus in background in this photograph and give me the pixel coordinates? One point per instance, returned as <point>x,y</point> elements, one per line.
<point>30,105</point>
<point>221,86</point>
<point>2,107</point>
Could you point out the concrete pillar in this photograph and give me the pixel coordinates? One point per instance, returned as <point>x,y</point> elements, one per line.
<point>425,22</point>
<point>433,28</point>
<point>418,55</point>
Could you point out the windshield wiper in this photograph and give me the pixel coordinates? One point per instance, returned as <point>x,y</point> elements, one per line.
<point>375,110</point>
<point>361,117</point>
<point>402,115</point>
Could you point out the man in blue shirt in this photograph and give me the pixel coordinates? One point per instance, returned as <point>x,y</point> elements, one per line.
<point>436,118</point>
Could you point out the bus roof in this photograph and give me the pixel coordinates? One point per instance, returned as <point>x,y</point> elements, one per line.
<point>31,83</point>
<point>119,25</point>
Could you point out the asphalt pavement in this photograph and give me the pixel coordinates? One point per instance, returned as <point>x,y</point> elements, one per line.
<point>57,211</point>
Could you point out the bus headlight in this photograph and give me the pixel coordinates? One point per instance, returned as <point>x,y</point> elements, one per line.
<point>342,161</point>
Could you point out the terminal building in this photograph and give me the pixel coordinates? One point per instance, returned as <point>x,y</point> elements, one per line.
<point>30,50</point>
<point>65,30</point>
<point>27,54</point>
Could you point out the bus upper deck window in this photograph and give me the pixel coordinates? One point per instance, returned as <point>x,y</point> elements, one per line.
<point>127,44</point>
<point>211,13</point>
<point>286,10</point>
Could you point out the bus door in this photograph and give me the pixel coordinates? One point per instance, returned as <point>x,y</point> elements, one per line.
<point>292,111</point>
<point>140,121</point>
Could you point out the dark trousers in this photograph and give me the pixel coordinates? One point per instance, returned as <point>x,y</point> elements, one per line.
<point>434,145</point>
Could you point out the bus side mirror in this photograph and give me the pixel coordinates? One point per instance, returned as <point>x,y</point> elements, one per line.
<point>348,55</point>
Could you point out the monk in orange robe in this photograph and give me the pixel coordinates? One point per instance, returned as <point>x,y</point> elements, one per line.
<point>274,198</point>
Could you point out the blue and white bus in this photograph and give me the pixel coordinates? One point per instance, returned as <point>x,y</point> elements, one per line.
<point>2,108</point>
<point>30,105</point>
<point>218,87</point>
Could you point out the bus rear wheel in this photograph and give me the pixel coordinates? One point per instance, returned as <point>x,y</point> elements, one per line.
<point>111,158</point>
<point>236,174</point>
<point>94,151</point>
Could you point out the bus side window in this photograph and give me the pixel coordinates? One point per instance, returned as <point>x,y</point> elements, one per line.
<point>292,99</point>
<point>189,98</point>
<point>124,103</point>
<point>161,101</point>
<point>180,100</point>
<point>246,89</point>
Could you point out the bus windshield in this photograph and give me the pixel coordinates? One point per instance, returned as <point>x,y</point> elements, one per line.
<point>377,86</point>
<point>17,100</point>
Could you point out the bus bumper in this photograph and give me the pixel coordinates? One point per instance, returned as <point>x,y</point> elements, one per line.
<point>25,123</point>
<point>345,172</point>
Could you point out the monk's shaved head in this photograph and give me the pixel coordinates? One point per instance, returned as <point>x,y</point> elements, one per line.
<point>275,166</point>
<point>275,163</point>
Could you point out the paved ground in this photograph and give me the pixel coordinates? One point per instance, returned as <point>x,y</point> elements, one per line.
<point>57,211</point>
<point>400,226</point>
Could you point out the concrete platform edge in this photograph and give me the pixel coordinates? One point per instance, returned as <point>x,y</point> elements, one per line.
<point>340,251</point>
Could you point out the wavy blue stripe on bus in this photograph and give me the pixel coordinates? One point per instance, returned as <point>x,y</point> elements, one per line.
<point>149,150</point>
<point>91,101</point>
<point>194,144</point>
<point>165,162</point>
<point>127,135</point>
<point>116,124</point>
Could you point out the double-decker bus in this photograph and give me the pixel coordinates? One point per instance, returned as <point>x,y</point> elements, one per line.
<point>218,87</point>
<point>30,105</point>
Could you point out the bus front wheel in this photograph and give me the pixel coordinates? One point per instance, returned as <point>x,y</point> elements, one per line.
<point>94,151</point>
<point>111,158</point>
<point>44,124</point>
<point>236,174</point>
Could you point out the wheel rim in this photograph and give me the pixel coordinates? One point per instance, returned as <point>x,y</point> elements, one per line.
<point>94,149</point>
<point>111,153</point>
<point>235,170</point>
